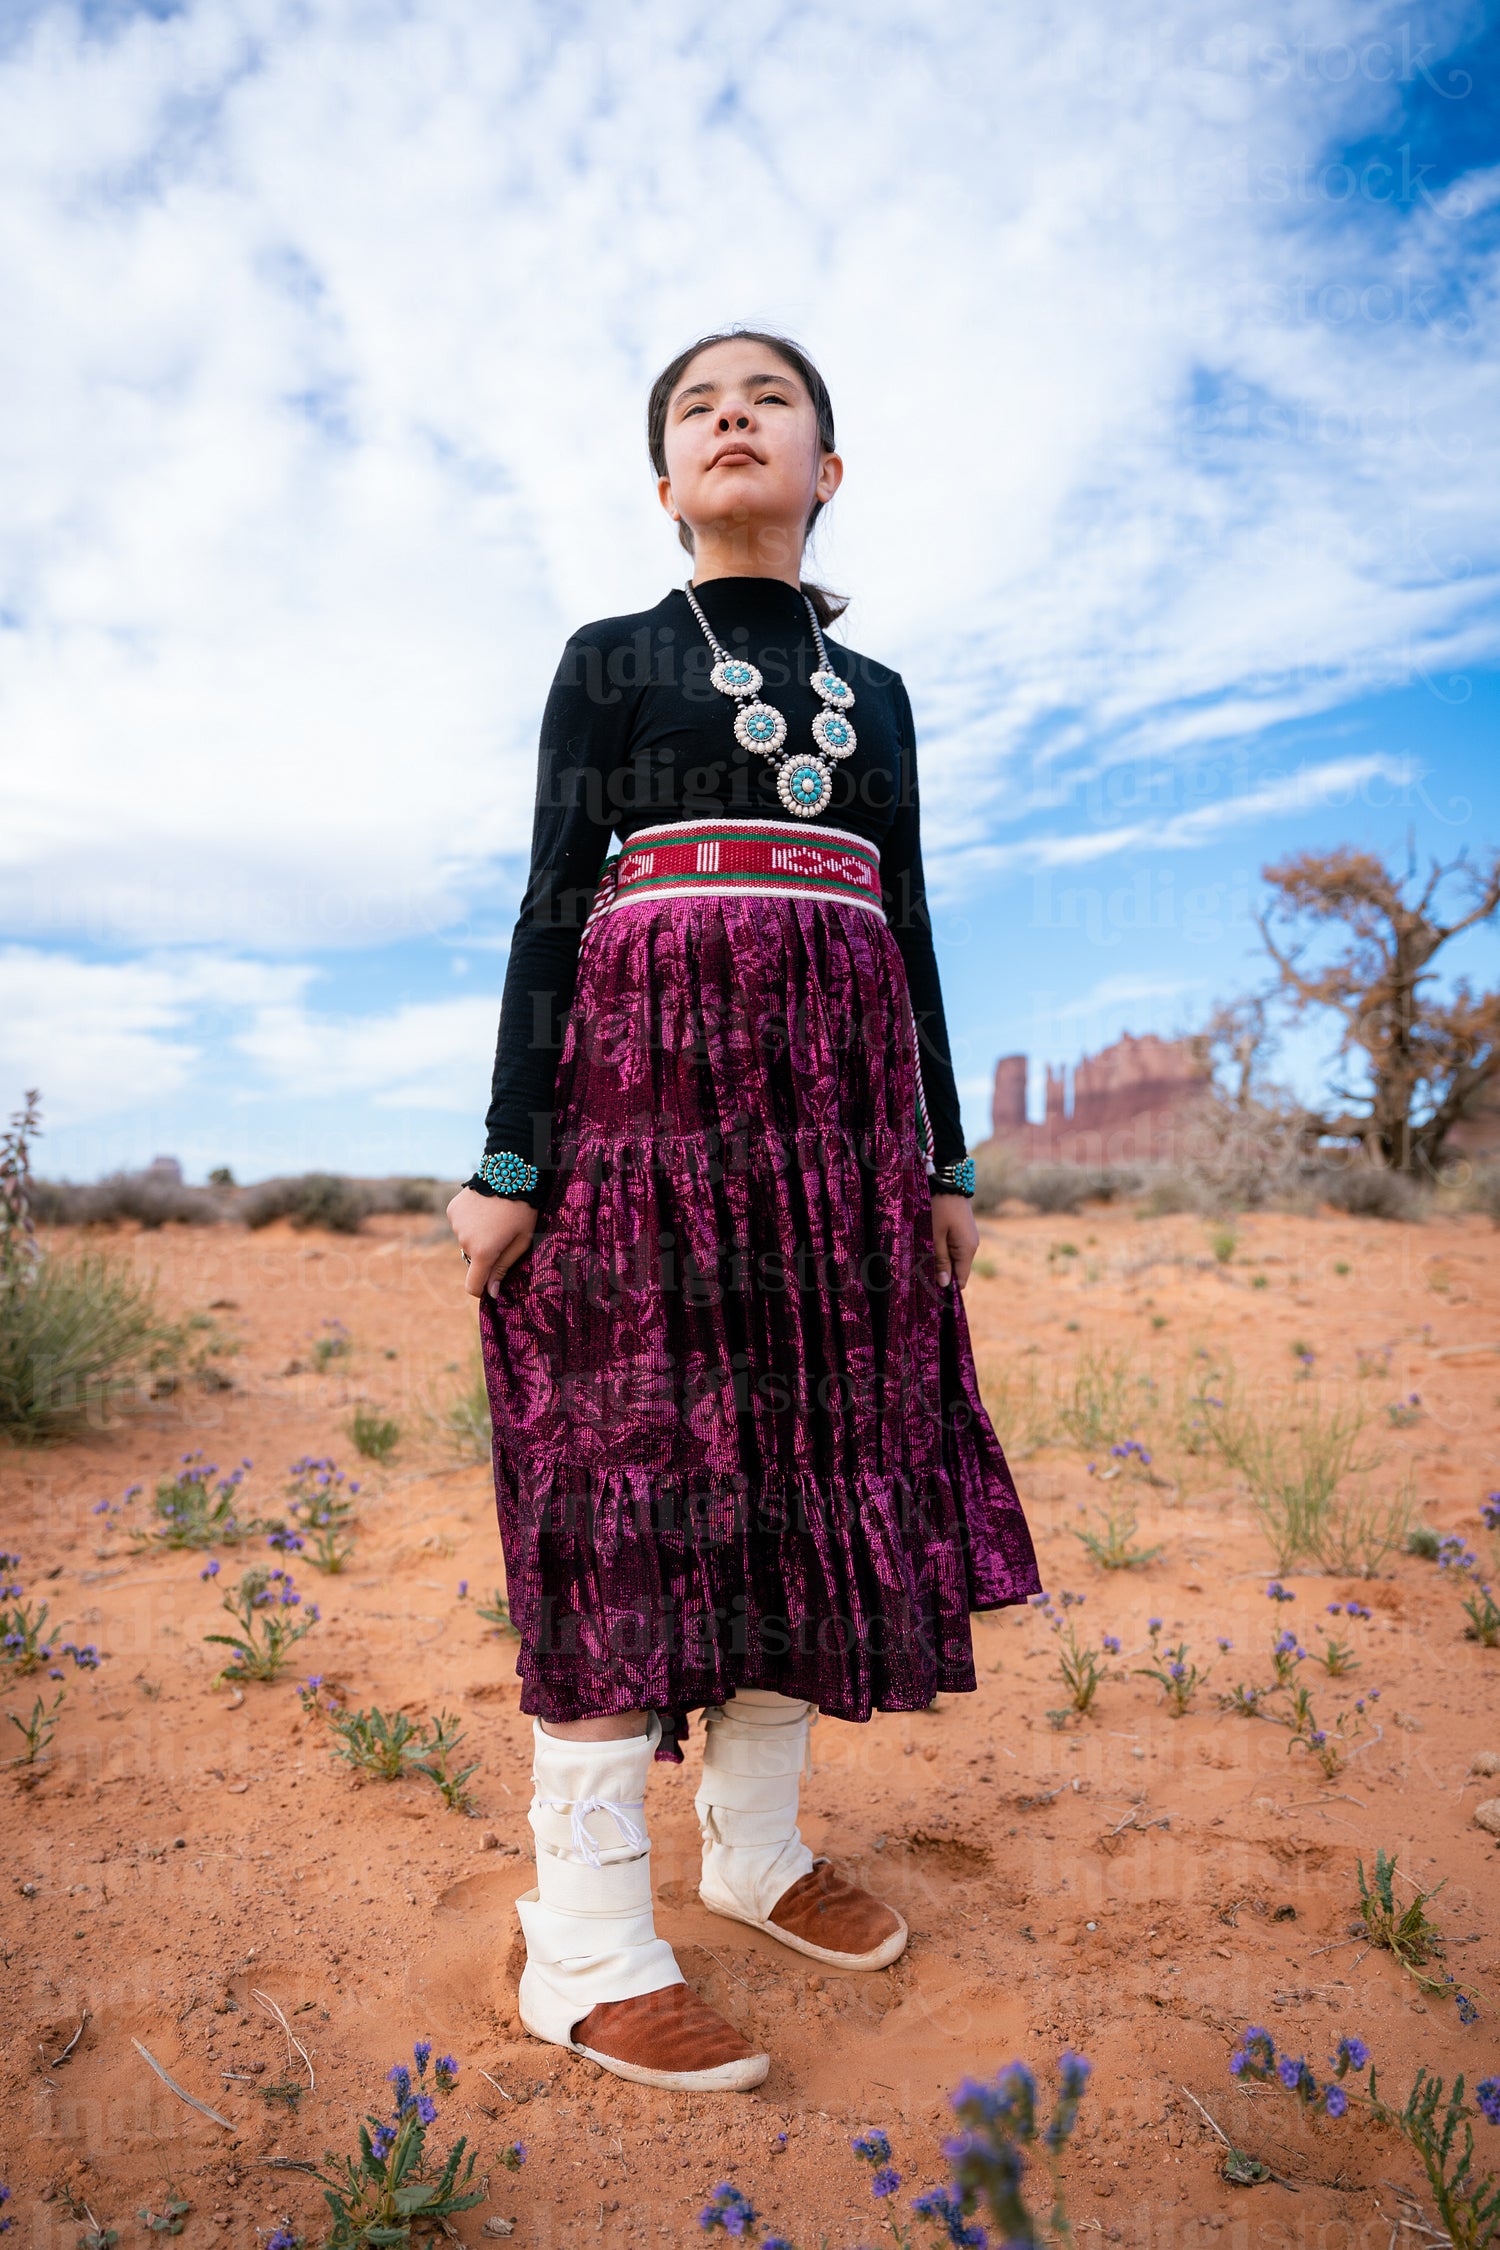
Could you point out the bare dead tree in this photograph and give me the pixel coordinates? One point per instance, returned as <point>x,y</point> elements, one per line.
<point>1427,1057</point>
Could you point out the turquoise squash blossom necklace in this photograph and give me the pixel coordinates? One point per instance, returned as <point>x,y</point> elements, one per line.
<point>804,779</point>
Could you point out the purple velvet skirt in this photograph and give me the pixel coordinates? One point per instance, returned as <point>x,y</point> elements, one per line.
<point>738,1439</point>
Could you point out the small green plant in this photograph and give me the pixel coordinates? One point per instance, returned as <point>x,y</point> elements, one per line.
<point>1468,2203</point>
<point>1012,1394</point>
<point>375,1435</point>
<point>262,1603</point>
<point>496,1613</point>
<point>23,1645</point>
<point>169,2219</point>
<point>321,1504</point>
<point>377,2197</point>
<point>1438,2126</point>
<point>193,1513</point>
<point>1405,1931</point>
<point>464,1422</point>
<point>1224,1242</point>
<point>37,1729</point>
<point>1179,1679</point>
<point>1260,1281</point>
<point>383,1745</point>
<point>1330,1746</point>
<point>287,2090</point>
<point>1484,1618</point>
<point>442,1740</point>
<point>1424,1541</point>
<point>334,1343</point>
<point>1403,1412</point>
<point>387,1746</point>
<point>1097,1409</point>
<point>1295,1464</point>
<point>1359,1529</point>
<point>1111,1547</point>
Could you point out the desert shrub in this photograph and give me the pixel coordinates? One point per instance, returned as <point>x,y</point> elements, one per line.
<point>1059,1189</point>
<point>1473,1187</point>
<point>317,1199</point>
<point>150,1201</point>
<point>995,1169</point>
<point>416,1195</point>
<point>1241,1156</point>
<point>1366,1191</point>
<point>1170,1193</point>
<point>72,1329</point>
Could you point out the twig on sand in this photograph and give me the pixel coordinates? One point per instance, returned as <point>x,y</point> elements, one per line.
<point>1238,2155</point>
<point>1203,2113</point>
<point>58,2060</point>
<point>499,2089</point>
<point>181,2091</point>
<point>724,1965</point>
<point>285,2164</point>
<point>291,2039</point>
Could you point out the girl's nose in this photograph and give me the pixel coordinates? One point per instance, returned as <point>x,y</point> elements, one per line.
<point>741,421</point>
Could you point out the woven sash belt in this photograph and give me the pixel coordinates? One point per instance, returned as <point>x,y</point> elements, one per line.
<point>756,859</point>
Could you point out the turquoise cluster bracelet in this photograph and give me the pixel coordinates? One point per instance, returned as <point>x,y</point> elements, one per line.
<point>507,1174</point>
<point>954,1179</point>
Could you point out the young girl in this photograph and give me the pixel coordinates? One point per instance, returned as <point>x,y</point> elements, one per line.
<point>719,1236</point>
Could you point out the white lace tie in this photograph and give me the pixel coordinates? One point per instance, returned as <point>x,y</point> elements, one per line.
<point>630,1833</point>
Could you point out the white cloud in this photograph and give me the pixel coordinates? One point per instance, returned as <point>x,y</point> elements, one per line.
<point>99,1037</point>
<point>328,333</point>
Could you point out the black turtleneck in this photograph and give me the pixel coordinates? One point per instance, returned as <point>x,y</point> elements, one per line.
<point>634,733</point>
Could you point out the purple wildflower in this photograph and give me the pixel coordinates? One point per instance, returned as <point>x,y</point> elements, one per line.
<point>1487,2092</point>
<point>445,2071</point>
<point>872,2147</point>
<point>1153,1624</point>
<point>728,2209</point>
<point>382,2140</point>
<point>1276,1592</point>
<point>1335,2100</point>
<point>1490,1512</point>
<point>885,2182</point>
<point>426,2109</point>
<point>1111,1644</point>
<point>514,2156</point>
<point>1225,1644</point>
<point>210,1568</point>
<point>463,1588</point>
<point>423,2053</point>
<point>1335,1609</point>
<point>283,2239</point>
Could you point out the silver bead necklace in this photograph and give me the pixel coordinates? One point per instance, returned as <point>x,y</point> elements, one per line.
<point>804,779</point>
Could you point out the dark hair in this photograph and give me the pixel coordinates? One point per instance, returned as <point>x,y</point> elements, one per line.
<point>828,606</point>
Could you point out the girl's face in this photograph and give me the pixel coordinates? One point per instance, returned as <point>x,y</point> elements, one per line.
<point>742,451</point>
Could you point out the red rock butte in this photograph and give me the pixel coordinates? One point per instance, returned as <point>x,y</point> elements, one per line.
<point>1128,1104</point>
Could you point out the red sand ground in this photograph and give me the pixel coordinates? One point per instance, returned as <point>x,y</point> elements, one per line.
<point>1135,1886</point>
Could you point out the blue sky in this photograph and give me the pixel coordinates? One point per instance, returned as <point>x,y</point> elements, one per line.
<point>1164,360</point>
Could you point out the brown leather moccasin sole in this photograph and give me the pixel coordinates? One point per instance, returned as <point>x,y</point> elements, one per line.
<point>669,2038</point>
<point>831,1920</point>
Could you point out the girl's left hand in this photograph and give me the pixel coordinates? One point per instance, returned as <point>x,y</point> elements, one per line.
<point>955,1238</point>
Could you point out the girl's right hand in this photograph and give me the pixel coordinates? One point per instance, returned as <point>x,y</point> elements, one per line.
<point>493,1231</point>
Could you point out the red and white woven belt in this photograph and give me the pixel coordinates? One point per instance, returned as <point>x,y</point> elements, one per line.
<point>756,859</point>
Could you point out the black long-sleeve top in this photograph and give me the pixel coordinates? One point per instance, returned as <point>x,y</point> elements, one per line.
<point>634,733</point>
